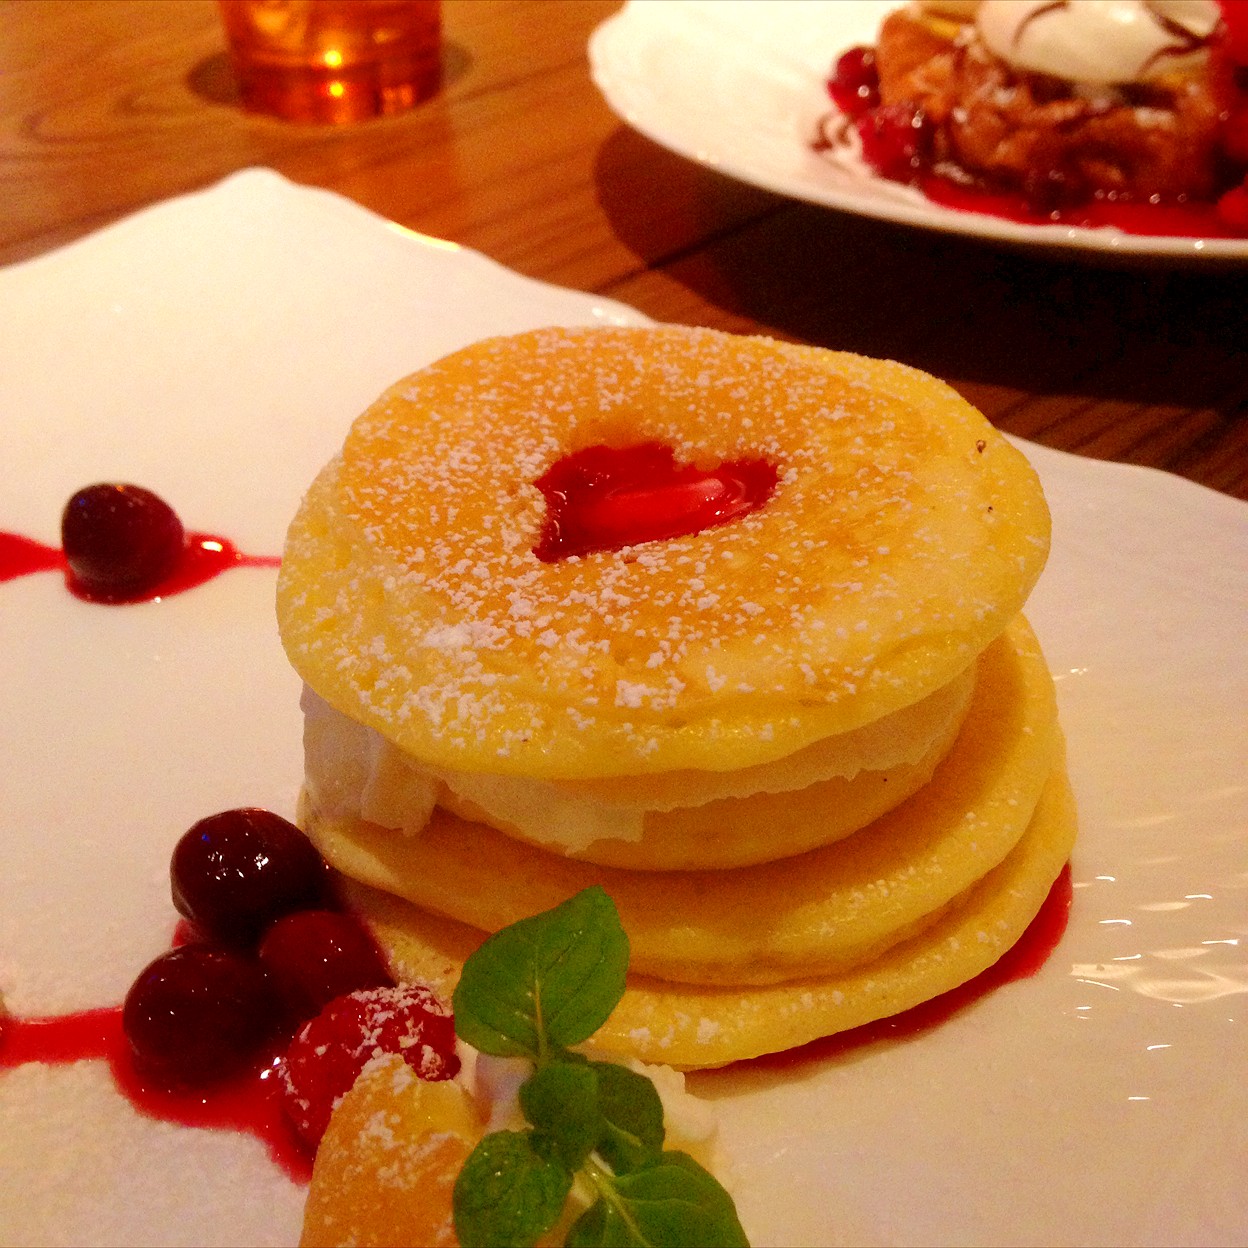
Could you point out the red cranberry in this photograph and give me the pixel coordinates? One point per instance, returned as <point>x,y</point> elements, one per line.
<point>119,540</point>
<point>1235,18</point>
<point>1235,132</point>
<point>855,82</point>
<point>1232,208</point>
<point>313,956</point>
<point>327,1055</point>
<point>896,140</point>
<point>197,1013</point>
<point>233,873</point>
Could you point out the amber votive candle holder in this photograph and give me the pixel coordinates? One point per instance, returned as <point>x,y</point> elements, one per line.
<point>334,61</point>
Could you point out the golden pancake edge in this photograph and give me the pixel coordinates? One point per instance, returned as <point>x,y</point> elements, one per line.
<point>410,598</point>
<point>690,1027</point>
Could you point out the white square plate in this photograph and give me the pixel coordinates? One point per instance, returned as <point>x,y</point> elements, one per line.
<point>215,348</point>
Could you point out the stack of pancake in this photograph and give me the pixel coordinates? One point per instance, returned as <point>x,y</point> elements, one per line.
<point>812,753</point>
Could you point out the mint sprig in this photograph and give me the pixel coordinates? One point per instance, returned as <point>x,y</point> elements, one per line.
<point>633,1116</point>
<point>533,990</point>
<point>506,1189</point>
<point>546,982</point>
<point>671,1201</point>
<point>560,1099</point>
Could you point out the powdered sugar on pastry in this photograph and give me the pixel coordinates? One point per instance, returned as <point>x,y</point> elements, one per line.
<point>902,536</point>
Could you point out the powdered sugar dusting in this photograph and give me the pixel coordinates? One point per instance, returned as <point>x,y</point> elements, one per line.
<point>451,637</point>
<point>55,1172</point>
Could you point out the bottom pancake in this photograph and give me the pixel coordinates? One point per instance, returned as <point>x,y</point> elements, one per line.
<point>691,1027</point>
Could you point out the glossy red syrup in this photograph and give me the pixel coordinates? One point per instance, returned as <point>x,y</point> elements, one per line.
<point>249,1102</point>
<point>1029,953</point>
<point>1185,220</point>
<point>22,556</point>
<point>606,498</point>
<point>1188,219</point>
<point>204,557</point>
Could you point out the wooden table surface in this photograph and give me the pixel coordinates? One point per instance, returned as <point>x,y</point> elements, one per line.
<point>110,105</point>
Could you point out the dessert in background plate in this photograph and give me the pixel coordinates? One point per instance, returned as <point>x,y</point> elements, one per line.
<point>1131,109</point>
<point>490,729</point>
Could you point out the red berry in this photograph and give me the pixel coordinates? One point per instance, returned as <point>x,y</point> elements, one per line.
<point>896,140</point>
<point>1235,132</point>
<point>197,1013</point>
<point>1235,17</point>
<point>313,956</point>
<point>119,540</point>
<point>233,873</point>
<point>1232,208</point>
<point>855,82</point>
<point>327,1055</point>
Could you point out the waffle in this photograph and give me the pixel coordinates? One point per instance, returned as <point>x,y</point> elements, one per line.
<point>1030,131</point>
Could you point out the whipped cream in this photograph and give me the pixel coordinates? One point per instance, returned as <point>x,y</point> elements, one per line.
<point>352,772</point>
<point>1098,42</point>
<point>494,1082</point>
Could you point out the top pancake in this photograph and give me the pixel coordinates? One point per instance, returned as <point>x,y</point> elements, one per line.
<point>903,535</point>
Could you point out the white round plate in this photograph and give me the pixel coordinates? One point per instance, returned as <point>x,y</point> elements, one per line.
<point>215,348</point>
<point>738,85</point>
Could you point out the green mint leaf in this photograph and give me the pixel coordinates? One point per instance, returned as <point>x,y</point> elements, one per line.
<point>602,1225</point>
<point>561,1101</point>
<point>633,1118</point>
<point>507,1196</point>
<point>674,1203</point>
<point>544,983</point>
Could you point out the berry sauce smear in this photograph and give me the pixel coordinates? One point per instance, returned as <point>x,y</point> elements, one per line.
<point>248,1102</point>
<point>265,1009</point>
<point>606,498</point>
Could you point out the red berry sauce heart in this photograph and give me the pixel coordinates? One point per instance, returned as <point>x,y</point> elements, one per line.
<point>606,498</point>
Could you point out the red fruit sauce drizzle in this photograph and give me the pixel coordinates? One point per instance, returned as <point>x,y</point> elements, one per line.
<point>606,498</point>
<point>249,1102</point>
<point>600,498</point>
<point>204,556</point>
<point>1162,220</point>
<point>1028,954</point>
<point>1187,219</point>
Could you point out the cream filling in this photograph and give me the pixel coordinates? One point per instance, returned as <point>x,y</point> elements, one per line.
<point>494,1082</point>
<point>690,1124</point>
<point>353,772</point>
